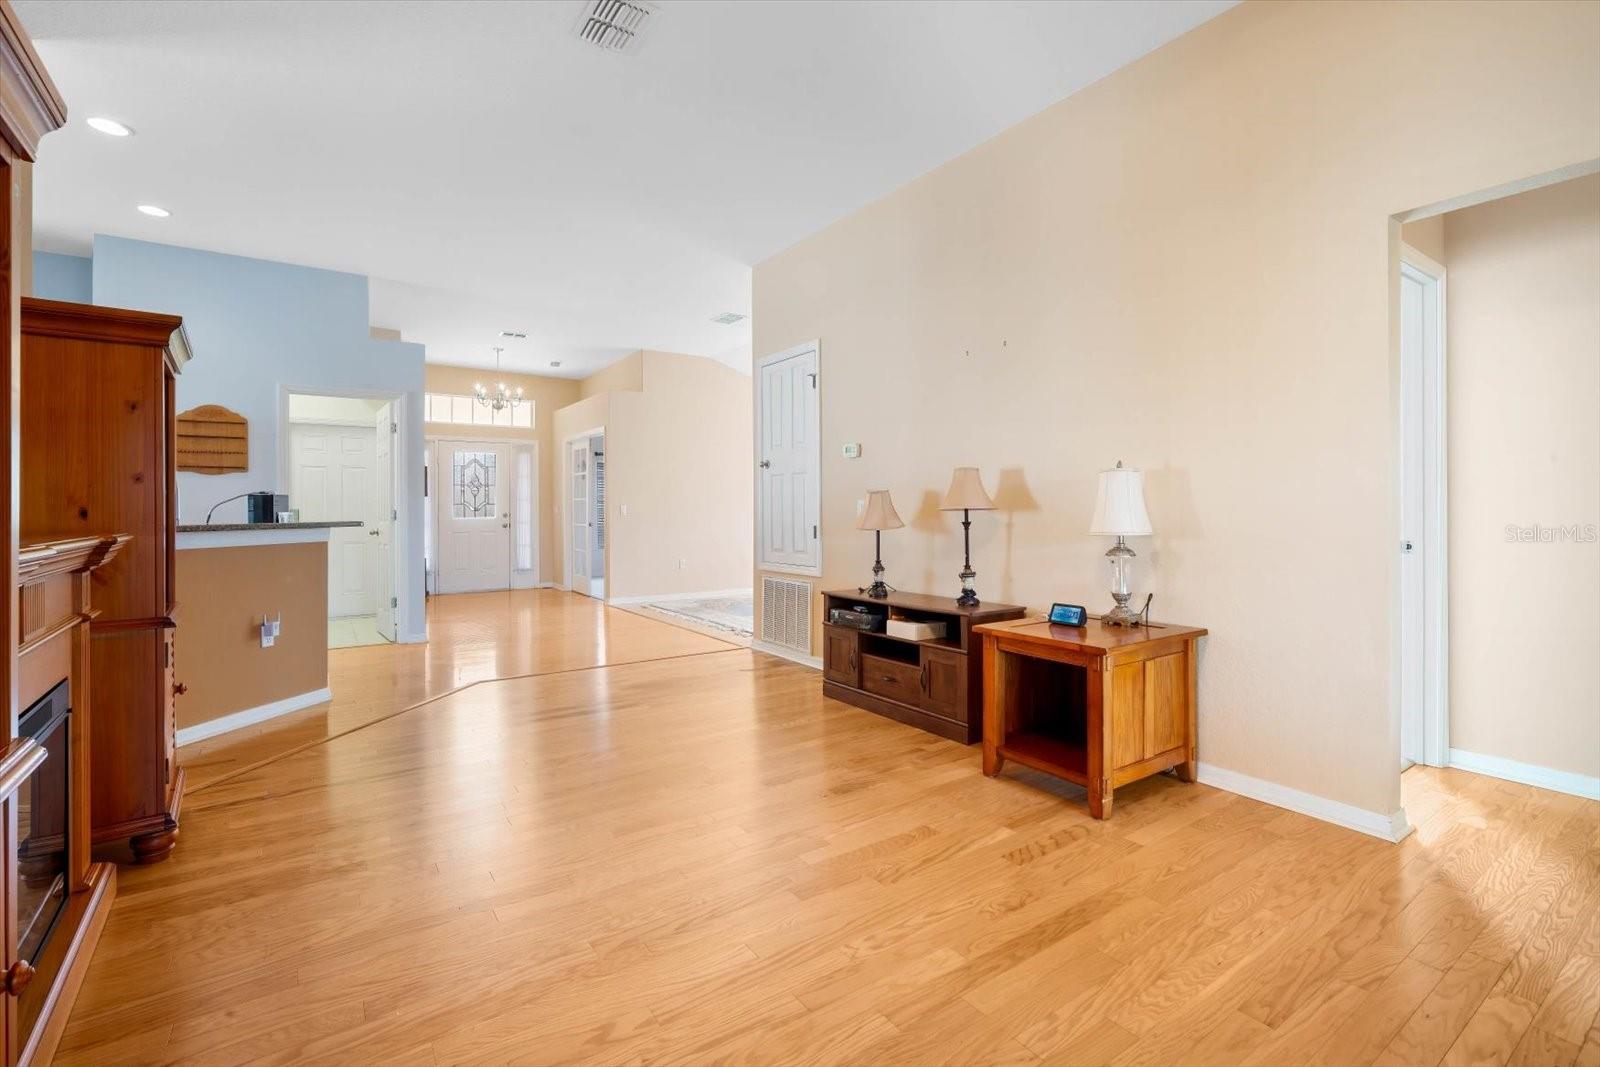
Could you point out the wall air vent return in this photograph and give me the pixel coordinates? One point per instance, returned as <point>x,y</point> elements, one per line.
<point>614,25</point>
<point>786,614</point>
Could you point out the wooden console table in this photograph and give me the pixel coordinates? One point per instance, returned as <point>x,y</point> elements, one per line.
<point>1098,705</point>
<point>935,684</point>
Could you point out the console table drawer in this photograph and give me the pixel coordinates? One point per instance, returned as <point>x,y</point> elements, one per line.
<point>892,679</point>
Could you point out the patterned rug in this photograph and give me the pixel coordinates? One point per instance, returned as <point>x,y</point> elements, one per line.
<point>735,614</point>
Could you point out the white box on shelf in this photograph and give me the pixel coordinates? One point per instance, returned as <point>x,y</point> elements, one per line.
<point>912,630</point>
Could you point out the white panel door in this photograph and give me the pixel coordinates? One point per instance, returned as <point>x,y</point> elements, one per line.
<point>789,461</point>
<point>580,514</point>
<point>474,516</point>
<point>331,480</point>
<point>384,521</point>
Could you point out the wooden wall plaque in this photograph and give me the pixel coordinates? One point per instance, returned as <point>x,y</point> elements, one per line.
<point>213,440</point>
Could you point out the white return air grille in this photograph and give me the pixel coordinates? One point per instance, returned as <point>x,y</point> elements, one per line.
<point>614,25</point>
<point>786,614</point>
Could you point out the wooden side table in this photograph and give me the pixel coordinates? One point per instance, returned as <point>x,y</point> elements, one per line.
<point>1098,705</point>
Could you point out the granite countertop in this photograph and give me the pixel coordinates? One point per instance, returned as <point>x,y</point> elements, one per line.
<point>221,527</point>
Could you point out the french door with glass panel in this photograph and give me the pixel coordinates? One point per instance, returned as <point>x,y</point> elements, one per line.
<point>475,511</point>
<point>580,513</point>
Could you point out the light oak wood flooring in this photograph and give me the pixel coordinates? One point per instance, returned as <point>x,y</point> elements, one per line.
<point>473,637</point>
<point>700,860</point>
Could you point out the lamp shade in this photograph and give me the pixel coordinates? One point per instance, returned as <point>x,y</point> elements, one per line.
<point>966,492</point>
<point>879,513</point>
<point>1119,504</point>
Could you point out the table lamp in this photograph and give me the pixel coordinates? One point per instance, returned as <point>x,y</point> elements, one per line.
<point>1119,511</point>
<point>878,517</point>
<point>966,495</point>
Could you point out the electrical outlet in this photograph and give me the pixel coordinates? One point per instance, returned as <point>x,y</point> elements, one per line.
<point>270,629</point>
<point>682,564</point>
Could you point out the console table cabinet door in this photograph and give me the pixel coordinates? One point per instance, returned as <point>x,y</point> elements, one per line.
<point>1129,715</point>
<point>944,684</point>
<point>840,661</point>
<point>1166,704</point>
<point>1149,708</point>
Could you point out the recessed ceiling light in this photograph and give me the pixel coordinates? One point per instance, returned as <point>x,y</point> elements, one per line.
<point>153,211</point>
<point>110,126</point>
<point>727,318</point>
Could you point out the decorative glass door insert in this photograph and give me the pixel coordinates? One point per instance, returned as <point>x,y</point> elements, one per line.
<point>472,482</point>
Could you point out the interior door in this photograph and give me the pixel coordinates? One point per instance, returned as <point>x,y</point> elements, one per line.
<point>789,462</point>
<point>384,521</point>
<point>332,478</point>
<point>474,517</point>
<point>582,518</point>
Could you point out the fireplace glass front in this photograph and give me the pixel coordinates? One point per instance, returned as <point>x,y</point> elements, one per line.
<point>42,825</point>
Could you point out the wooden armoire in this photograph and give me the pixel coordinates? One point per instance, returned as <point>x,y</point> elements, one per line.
<point>98,422</point>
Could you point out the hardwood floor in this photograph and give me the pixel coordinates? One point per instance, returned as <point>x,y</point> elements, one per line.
<point>473,637</point>
<point>700,860</point>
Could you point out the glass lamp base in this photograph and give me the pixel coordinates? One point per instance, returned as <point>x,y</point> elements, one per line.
<point>1121,615</point>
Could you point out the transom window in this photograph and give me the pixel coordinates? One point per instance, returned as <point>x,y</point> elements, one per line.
<point>466,411</point>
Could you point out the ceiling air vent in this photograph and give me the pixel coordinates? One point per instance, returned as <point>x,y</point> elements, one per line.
<point>614,25</point>
<point>728,318</point>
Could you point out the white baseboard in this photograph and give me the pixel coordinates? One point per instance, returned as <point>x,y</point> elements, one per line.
<point>1578,785</point>
<point>252,716</point>
<point>665,598</point>
<point>1390,827</point>
<point>814,662</point>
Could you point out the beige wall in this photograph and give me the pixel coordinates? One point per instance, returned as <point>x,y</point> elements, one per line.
<point>1426,236</point>
<point>677,457</point>
<point>625,375</point>
<point>217,645</point>
<point>1523,344</point>
<point>1189,266</point>
<point>548,396</point>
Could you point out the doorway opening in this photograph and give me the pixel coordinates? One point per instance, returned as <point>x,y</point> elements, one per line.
<point>585,568</point>
<point>1498,464</point>
<point>341,468</point>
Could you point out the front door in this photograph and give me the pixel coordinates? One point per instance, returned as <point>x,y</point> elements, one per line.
<point>474,517</point>
<point>332,479</point>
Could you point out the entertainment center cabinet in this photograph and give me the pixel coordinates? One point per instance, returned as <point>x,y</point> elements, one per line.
<point>934,684</point>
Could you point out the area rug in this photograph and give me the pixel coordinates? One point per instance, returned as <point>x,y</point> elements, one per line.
<point>733,614</point>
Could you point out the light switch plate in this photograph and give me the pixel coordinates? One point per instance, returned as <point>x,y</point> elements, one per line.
<point>852,450</point>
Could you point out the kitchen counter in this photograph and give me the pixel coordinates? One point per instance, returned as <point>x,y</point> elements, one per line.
<point>236,534</point>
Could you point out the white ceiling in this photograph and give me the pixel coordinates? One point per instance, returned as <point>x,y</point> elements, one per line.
<point>491,171</point>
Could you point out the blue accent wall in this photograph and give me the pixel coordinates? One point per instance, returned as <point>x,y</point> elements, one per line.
<point>60,277</point>
<point>258,330</point>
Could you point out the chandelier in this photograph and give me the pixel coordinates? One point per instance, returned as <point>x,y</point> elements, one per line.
<point>501,396</point>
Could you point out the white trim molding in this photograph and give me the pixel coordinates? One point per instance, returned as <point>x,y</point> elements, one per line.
<point>814,662</point>
<point>667,598</point>
<point>251,716</point>
<point>1578,785</point>
<point>1391,827</point>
